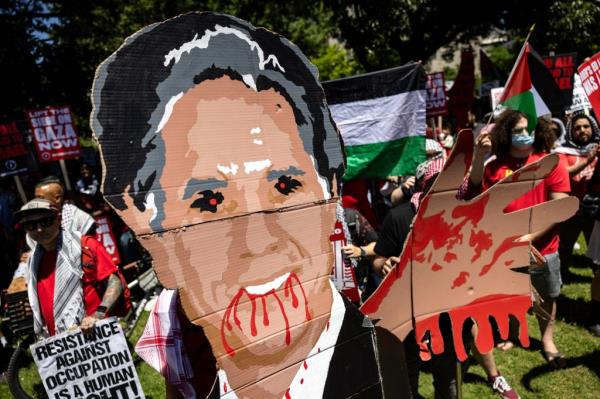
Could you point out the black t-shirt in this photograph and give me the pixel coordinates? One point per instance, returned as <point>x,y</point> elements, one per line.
<point>394,231</point>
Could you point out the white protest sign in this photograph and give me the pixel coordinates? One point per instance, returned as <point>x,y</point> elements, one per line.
<point>495,95</point>
<point>580,99</point>
<point>96,366</point>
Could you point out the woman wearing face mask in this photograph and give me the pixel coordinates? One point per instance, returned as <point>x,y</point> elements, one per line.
<point>514,146</point>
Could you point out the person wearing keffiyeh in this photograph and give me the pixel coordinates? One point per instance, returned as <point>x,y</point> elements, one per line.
<point>578,149</point>
<point>63,291</point>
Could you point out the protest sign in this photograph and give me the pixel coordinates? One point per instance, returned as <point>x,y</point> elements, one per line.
<point>495,95</point>
<point>580,100</point>
<point>95,366</point>
<point>14,153</point>
<point>589,72</point>
<point>436,95</point>
<point>105,235</point>
<point>54,134</point>
<point>562,67</point>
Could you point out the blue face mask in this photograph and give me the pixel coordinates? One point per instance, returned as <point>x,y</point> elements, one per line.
<point>522,141</point>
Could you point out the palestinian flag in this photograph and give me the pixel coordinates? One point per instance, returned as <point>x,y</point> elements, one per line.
<point>381,117</point>
<point>531,88</point>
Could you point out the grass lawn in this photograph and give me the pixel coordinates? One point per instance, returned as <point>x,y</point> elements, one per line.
<point>524,368</point>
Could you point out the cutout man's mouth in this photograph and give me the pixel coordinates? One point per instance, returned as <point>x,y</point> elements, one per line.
<point>267,291</point>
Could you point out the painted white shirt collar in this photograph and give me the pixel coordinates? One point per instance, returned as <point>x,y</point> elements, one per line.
<point>309,381</point>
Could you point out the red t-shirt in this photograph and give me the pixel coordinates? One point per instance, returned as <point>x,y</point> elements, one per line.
<point>557,181</point>
<point>579,182</point>
<point>92,291</point>
<point>45,288</point>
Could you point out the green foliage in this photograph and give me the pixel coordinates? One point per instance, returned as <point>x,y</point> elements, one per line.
<point>335,62</point>
<point>503,57</point>
<point>50,49</point>
<point>450,73</point>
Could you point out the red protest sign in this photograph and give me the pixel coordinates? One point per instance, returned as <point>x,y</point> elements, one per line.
<point>54,134</point>
<point>106,237</point>
<point>589,72</point>
<point>562,67</point>
<point>436,95</point>
<point>13,151</point>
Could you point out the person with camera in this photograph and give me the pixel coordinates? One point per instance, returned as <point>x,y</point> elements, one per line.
<point>71,280</point>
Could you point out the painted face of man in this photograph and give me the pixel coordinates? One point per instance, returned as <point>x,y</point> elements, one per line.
<point>254,267</point>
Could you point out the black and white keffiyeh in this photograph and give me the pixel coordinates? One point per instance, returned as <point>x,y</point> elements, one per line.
<point>69,308</point>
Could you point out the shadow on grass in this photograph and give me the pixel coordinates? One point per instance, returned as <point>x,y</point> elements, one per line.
<point>581,262</point>
<point>576,311</point>
<point>571,278</point>
<point>589,360</point>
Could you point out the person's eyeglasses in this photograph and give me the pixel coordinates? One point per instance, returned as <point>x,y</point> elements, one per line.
<point>519,130</point>
<point>32,225</point>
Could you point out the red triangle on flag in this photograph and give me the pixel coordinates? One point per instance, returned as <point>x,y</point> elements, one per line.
<point>519,80</point>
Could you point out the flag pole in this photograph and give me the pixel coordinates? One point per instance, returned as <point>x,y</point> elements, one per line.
<point>513,69</point>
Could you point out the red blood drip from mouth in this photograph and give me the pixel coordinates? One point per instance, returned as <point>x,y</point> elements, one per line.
<point>265,314</point>
<point>232,310</point>
<point>305,365</point>
<point>289,289</point>
<point>287,394</point>
<point>224,387</point>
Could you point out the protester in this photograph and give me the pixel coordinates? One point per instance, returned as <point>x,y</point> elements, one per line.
<point>433,150</point>
<point>87,183</point>
<point>360,247</point>
<point>578,150</point>
<point>515,147</point>
<point>63,290</point>
<point>72,218</point>
<point>592,211</point>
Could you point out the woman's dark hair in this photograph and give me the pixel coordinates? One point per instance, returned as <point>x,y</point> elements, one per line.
<point>544,136</point>
<point>501,133</point>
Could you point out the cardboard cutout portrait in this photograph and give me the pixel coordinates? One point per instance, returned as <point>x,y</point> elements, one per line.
<point>464,257</point>
<point>220,153</point>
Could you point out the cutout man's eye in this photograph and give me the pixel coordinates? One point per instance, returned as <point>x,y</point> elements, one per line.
<point>208,201</point>
<point>286,185</point>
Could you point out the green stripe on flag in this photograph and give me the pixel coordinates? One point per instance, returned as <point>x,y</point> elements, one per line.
<point>391,158</point>
<point>525,103</point>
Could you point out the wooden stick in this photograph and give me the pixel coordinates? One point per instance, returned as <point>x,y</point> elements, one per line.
<point>20,188</point>
<point>63,167</point>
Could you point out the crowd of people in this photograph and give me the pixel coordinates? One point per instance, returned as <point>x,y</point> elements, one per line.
<point>46,237</point>
<point>501,147</point>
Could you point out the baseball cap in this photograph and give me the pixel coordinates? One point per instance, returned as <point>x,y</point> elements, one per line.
<point>35,206</point>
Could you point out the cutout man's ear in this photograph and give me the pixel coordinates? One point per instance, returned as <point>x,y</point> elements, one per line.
<point>137,220</point>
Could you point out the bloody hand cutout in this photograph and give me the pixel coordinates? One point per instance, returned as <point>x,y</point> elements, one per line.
<point>461,256</point>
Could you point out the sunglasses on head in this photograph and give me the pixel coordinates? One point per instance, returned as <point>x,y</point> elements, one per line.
<point>43,223</point>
